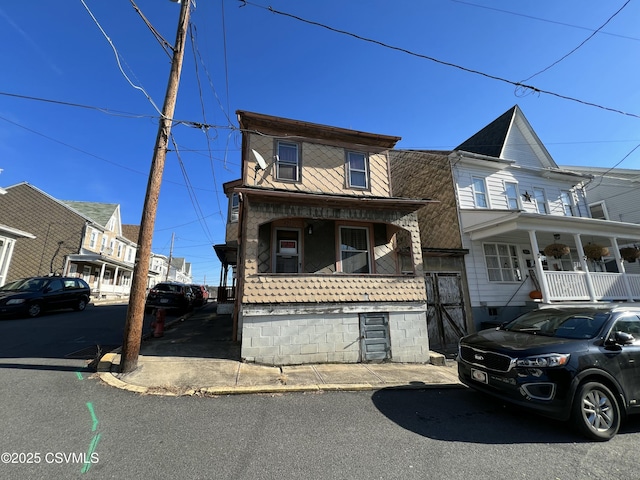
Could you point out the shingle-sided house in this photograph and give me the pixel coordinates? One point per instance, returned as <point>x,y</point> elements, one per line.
<point>328,264</point>
<point>427,174</point>
<point>528,227</point>
<point>71,238</point>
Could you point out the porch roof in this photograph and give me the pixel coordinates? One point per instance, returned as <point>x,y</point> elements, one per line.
<point>97,258</point>
<point>337,201</point>
<point>481,224</point>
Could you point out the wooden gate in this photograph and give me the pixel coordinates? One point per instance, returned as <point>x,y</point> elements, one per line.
<point>446,319</point>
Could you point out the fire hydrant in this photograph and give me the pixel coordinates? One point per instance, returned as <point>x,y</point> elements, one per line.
<point>158,323</point>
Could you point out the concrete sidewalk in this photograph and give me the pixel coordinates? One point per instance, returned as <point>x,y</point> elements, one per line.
<point>197,357</point>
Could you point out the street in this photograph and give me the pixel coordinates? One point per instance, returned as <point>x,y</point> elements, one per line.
<point>60,422</point>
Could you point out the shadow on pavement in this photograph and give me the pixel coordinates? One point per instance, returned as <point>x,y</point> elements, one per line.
<point>462,415</point>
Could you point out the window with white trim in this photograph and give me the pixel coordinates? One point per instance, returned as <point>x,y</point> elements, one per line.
<point>512,196</point>
<point>480,192</point>
<point>354,250</point>
<point>103,245</point>
<point>599,210</point>
<point>502,262</point>
<point>93,241</point>
<point>234,207</point>
<point>568,205</point>
<point>288,161</point>
<point>540,198</point>
<point>357,170</point>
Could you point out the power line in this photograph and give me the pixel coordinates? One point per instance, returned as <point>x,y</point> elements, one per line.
<point>581,44</point>
<point>166,46</point>
<point>441,62</point>
<point>545,20</point>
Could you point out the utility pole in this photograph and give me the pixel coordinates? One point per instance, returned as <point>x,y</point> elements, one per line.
<point>135,312</point>
<point>170,257</point>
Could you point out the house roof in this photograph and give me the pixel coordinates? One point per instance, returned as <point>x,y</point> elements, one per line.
<point>287,127</point>
<point>100,213</point>
<point>491,139</point>
<point>131,232</point>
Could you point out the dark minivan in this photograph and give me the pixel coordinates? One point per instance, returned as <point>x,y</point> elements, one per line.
<point>570,363</point>
<point>31,296</point>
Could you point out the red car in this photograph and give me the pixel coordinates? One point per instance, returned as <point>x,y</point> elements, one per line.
<point>201,294</point>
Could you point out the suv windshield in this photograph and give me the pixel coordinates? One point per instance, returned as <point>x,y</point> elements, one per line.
<point>577,324</point>
<point>24,285</point>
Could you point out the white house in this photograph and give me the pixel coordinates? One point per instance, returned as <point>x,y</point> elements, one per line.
<point>514,202</point>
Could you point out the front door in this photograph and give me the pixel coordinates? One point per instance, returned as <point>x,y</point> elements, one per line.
<point>446,320</point>
<point>374,337</point>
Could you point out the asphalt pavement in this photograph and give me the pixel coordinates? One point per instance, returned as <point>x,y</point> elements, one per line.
<point>197,356</point>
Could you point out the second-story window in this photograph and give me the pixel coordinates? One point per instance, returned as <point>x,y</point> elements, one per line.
<point>234,208</point>
<point>480,192</point>
<point>357,170</point>
<point>94,239</point>
<point>599,210</point>
<point>288,161</point>
<point>567,203</point>
<point>103,245</point>
<point>511,193</point>
<point>541,200</point>
<point>119,250</point>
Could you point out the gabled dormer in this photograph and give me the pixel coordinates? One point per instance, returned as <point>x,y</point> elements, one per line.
<point>505,166</point>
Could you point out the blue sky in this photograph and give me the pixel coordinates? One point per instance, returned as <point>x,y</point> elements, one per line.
<point>250,58</point>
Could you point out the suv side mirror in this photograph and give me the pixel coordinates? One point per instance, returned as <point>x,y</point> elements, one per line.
<point>623,338</point>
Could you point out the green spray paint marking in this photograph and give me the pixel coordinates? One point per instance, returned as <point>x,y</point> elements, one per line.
<point>94,440</point>
<point>79,375</point>
<point>92,448</point>
<point>93,416</point>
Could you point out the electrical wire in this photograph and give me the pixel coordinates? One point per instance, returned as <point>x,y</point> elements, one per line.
<point>166,46</point>
<point>117,55</point>
<point>442,62</point>
<point>580,45</point>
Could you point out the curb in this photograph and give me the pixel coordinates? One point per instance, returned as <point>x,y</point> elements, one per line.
<point>105,374</point>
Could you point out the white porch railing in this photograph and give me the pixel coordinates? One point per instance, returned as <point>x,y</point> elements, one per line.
<point>111,290</point>
<point>606,286</point>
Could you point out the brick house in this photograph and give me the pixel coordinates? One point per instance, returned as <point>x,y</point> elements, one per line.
<point>326,263</point>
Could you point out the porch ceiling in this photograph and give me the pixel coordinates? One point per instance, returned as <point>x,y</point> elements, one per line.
<point>481,225</point>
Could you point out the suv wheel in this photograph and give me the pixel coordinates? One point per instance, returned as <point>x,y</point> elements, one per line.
<point>81,304</point>
<point>595,412</point>
<point>34,309</point>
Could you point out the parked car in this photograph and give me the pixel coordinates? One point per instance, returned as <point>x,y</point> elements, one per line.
<point>201,294</point>
<point>31,296</point>
<point>170,296</point>
<point>570,363</point>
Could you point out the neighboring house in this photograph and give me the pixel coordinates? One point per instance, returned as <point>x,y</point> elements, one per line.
<point>71,238</point>
<point>328,264</point>
<point>427,174</point>
<point>514,203</point>
<point>8,238</point>
<point>158,269</point>
<point>613,195</point>
<point>180,271</point>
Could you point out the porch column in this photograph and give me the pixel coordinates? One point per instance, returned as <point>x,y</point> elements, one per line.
<point>101,278</point>
<point>544,286</point>
<point>115,277</point>
<point>621,269</point>
<point>585,267</point>
<point>65,270</point>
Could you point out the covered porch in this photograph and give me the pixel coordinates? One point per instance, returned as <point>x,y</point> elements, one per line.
<point>579,271</point>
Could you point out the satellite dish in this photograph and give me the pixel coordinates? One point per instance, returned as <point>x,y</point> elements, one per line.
<point>261,163</point>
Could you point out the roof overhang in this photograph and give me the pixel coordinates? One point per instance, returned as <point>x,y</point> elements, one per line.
<point>334,201</point>
<point>97,258</point>
<point>227,253</point>
<point>14,232</point>
<point>481,224</point>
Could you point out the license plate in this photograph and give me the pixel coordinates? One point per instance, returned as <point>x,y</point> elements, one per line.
<point>479,376</point>
<point>164,300</point>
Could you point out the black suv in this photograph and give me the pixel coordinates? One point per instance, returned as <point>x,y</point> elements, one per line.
<point>31,296</point>
<point>570,363</point>
<point>170,296</point>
